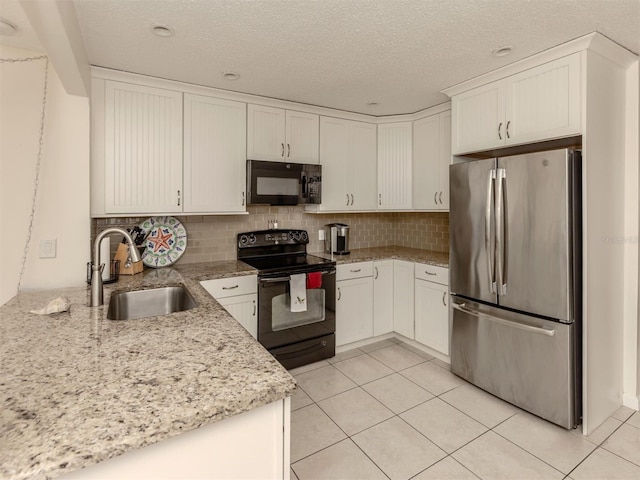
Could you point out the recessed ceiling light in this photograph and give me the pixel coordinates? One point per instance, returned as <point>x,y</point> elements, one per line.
<point>162,30</point>
<point>230,75</point>
<point>7,28</point>
<point>502,51</point>
<point>373,104</point>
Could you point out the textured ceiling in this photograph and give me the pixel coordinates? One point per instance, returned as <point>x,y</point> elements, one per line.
<point>341,53</point>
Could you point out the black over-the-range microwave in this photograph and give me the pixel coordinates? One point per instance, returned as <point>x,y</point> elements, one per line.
<point>280,183</point>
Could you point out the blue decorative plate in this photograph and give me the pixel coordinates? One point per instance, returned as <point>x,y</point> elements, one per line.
<point>166,241</point>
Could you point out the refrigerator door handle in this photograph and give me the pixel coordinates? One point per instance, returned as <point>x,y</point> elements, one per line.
<point>487,230</point>
<point>549,332</point>
<point>501,176</point>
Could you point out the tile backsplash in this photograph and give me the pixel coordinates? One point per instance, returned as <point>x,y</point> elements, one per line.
<point>213,237</point>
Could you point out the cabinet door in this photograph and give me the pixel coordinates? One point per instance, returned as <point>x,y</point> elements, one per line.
<point>432,315</point>
<point>214,155</point>
<point>244,309</point>
<point>143,149</point>
<point>334,158</point>
<point>478,119</point>
<point>394,166</point>
<point>403,279</point>
<point>265,133</point>
<point>426,163</point>
<point>363,172</point>
<point>302,133</point>
<point>445,159</point>
<point>382,297</point>
<point>544,102</point>
<point>354,310</point>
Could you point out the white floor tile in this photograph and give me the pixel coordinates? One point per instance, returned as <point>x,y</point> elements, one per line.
<point>479,405</point>
<point>446,469</point>
<point>491,456</point>
<point>601,433</point>
<point>300,399</point>
<point>602,464</point>
<point>324,382</point>
<point>433,378</point>
<point>556,446</point>
<point>363,369</point>
<point>312,430</point>
<point>308,367</point>
<point>625,442</point>
<point>398,449</point>
<point>377,345</point>
<point>397,393</point>
<point>417,351</point>
<point>292,475</point>
<point>445,426</point>
<point>343,460</point>
<point>623,413</point>
<point>355,410</point>
<point>634,420</point>
<point>354,352</point>
<point>396,357</point>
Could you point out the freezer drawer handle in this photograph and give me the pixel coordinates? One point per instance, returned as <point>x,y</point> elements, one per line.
<point>549,332</point>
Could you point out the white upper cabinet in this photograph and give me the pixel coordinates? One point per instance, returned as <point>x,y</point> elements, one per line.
<point>142,149</point>
<point>214,154</point>
<point>282,135</point>
<point>395,166</point>
<point>348,159</point>
<point>431,160</point>
<point>540,103</point>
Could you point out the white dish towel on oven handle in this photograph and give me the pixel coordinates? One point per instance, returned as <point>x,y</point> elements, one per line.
<point>298,289</point>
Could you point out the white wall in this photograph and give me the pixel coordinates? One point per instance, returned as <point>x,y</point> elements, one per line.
<point>62,209</point>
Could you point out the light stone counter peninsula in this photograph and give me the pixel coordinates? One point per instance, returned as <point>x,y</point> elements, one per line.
<point>77,389</point>
<point>418,255</point>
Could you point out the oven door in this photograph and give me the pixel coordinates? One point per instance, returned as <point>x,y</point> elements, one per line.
<point>278,326</point>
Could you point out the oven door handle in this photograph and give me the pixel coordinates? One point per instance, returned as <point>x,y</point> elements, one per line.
<point>287,278</point>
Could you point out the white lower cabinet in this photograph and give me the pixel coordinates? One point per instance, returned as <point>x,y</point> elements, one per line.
<point>216,451</point>
<point>403,298</point>
<point>239,297</point>
<point>354,302</point>
<point>382,297</point>
<point>432,307</point>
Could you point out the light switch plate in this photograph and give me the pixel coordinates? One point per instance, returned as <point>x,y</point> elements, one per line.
<point>48,248</point>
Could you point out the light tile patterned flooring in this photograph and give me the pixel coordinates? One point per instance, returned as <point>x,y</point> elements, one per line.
<point>390,411</point>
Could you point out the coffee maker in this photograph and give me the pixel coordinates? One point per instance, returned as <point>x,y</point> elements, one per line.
<point>336,238</point>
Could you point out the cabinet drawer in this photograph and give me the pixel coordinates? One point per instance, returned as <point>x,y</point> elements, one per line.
<point>230,287</point>
<point>354,270</point>
<point>432,273</point>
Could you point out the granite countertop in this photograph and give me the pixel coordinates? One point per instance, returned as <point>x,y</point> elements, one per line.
<point>429,257</point>
<point>76,388</point>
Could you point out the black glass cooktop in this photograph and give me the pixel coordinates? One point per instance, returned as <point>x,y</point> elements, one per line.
<point>287,263</point>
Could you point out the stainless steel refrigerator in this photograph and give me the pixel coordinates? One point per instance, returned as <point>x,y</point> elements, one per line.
<point>516,280</point>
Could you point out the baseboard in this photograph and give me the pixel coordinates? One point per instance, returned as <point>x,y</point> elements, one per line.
<point>631,401</point>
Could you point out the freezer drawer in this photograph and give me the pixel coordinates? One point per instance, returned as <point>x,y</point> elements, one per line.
<point>524,360</point>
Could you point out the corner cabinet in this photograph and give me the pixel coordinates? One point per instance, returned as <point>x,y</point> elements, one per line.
<point>142,149</point>
<point>540,103</point>
<point>348,159</point>
<point>214,154</point>
<point>239,297</point>
<point>431,160</point>
<point>383,306</point>
<point>403,314</point>
<point>282,135</point>
<point>432,307</point>
<point>394,166</point>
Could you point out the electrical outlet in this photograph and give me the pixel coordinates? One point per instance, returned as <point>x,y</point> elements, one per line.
<point>48,248</point>
<point>320,234</point>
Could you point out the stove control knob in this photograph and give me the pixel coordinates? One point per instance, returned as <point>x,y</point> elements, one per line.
<point>252,239</point>
<point>244,240</point>
<point>290,235</point>
<point>297,236</point>
<point>304,237</point>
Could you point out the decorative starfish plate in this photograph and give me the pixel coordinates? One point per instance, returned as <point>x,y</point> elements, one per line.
<point>165,242</point>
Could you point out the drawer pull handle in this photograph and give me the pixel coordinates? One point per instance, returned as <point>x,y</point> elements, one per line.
<point>230,288</point>
<point>500,131</point>
<point>376,277</point>
<point>429,273</point>
<point>356,270</point>
<point>254,308</point>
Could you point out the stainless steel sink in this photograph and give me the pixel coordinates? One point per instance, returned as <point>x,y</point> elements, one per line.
<point>149,303</point>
